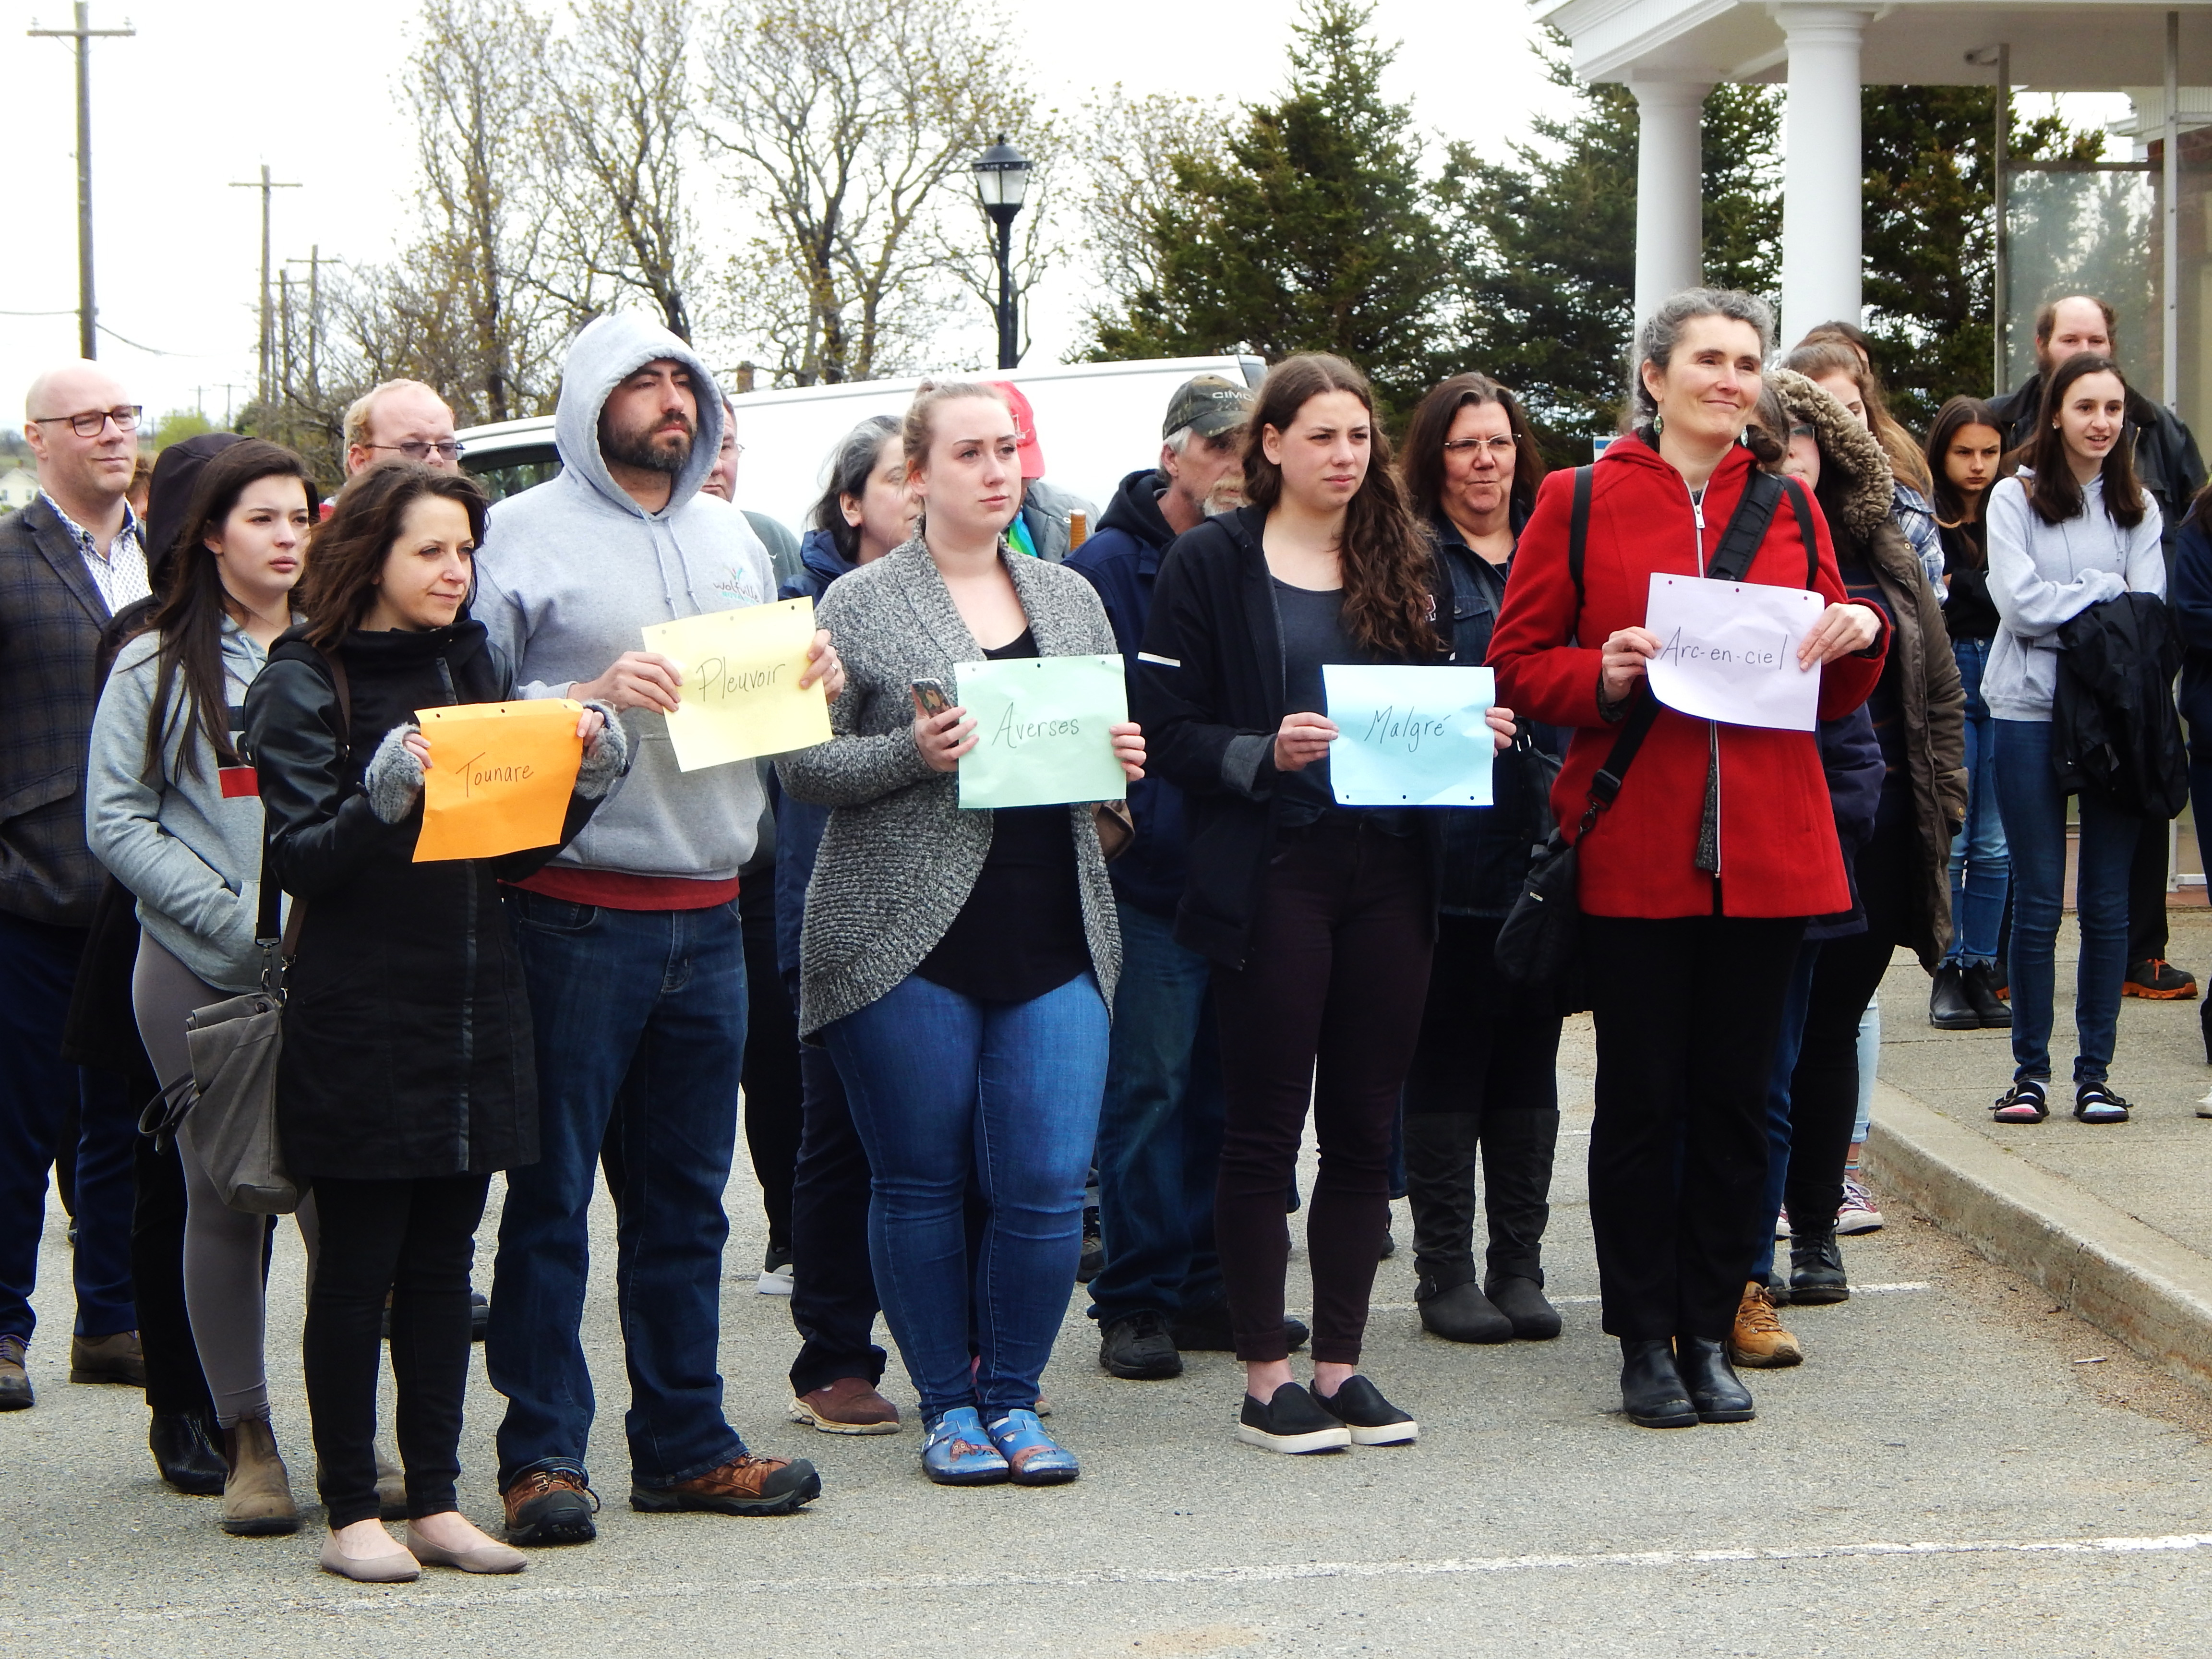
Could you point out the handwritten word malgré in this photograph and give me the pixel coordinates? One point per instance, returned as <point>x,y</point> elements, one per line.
<point>1756,659</point>
<point>1014,733</point>
<point>1409,727</point>
<point>718,681</point>
<point>475,775</point>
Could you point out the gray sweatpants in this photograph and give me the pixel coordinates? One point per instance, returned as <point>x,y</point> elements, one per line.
<point>224,1292</point>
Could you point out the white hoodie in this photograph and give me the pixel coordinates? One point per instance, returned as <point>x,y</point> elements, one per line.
<point>573,570</point>
<point>2044,575</point>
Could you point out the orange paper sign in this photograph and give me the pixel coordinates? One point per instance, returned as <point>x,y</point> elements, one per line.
<point>500,778</point>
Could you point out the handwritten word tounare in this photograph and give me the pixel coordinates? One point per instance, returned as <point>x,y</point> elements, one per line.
<point>1755,659</point>
<point>1409,727</point>
<point>718,681</point>
<point>1015,732</point>
<point>475,775</point>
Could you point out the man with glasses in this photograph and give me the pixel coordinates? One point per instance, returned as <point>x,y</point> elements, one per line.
<point>400,419</point>
<point>68,561</point>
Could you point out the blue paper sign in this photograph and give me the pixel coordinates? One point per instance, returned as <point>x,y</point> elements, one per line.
<point>1410,737</point>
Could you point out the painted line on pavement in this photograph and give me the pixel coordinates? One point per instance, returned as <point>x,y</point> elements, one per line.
<point>1592,1301</point>
<point>398,1599</point>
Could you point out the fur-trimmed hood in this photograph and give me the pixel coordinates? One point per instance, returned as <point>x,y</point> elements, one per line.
<point>1845,446</point>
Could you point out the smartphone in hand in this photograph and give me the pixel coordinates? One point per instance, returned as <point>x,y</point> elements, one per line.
<point>929,697</point>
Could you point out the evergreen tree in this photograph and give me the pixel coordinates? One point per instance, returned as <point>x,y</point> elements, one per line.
<point>1311,234</point>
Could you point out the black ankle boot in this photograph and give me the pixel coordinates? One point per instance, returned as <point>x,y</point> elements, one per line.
<point>1980,984</point>
<point>185,1451</point>
<point>1461,1313</point>
<point>1523,1301</point>
<point>1816,1267</point>
<point>1715,1391</point>
<point>1651,1390</point>
<point>1949,1008</point>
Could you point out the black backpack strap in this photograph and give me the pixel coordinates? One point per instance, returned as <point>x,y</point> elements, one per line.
<point>1747,527</point>
<point>1578,529</point>
<point>1803,508</point>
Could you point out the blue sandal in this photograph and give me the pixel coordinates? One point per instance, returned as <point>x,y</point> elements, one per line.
<point>956,1452</point>
<point>1037,1460</point>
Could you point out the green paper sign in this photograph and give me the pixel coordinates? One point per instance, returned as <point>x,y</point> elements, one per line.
<point>1040,736</point>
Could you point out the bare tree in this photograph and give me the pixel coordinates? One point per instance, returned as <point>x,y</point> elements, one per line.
<point>843,121</point>
<point>967,241</point>
<point>1125,149</point>
<point>619,92</point>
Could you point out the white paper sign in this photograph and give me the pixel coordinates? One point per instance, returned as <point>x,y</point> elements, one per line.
<point>1728,651</point>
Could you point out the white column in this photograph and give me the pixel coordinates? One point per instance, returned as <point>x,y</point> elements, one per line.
<point>1821,168</point>
<point>1670,232</point>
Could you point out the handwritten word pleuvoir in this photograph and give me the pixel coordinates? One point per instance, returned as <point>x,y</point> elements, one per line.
<point>1040,736</point>
<point>1409,736</point>
<point>740,695</point>
<point>1728,651</point>
<point>500,778</point>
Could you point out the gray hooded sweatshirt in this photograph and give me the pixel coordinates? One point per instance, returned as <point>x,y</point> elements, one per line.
<point>572,570</point>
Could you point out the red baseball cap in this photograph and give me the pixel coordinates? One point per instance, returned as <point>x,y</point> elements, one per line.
<point>1032,455</point>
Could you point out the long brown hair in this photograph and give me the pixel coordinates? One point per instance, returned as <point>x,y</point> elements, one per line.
<point>1422,465</point>
<point>1389,567</point>
<point>2053,492</point>
<point>349,548</point>
<point>194,602</point>
<point>1954,418</point>
<point>1837,348</point>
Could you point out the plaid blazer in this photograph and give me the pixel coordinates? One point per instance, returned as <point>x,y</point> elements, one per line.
<point>51,616</point>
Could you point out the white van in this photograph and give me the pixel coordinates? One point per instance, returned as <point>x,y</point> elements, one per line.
<point>1097,422</point>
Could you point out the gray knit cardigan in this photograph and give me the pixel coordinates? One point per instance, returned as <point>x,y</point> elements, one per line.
<point>900,857</point>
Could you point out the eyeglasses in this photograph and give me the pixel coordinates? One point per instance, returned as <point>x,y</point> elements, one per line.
<point>91,422</point>
<point>1500,446</point>
<point>446,450</point>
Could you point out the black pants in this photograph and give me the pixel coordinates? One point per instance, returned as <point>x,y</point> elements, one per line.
<point>2147,895</point>
<point>1485,1078</point>
<point>175,1385</point>
<point>833,1282</point>
<point>1687,1013</point>
<point>771,1078</point>
<point>415,1239</point>
<point>1327,1007</point>
<point>1823,1089</point>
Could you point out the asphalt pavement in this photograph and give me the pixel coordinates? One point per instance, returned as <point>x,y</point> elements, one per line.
<point>1959,1467</point>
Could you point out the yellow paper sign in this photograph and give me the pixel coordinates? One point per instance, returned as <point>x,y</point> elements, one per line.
<point>740,696</point>
<point>500,778</point>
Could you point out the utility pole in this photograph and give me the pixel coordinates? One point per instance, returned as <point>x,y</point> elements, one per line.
<point>265,185</point>
<point>87,313</point>
<point>314,264</point>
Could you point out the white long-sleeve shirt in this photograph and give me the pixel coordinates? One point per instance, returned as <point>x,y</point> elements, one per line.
<point>2044,575</point>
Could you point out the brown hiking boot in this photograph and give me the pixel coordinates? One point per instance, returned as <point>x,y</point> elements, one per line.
<point>1758,1340</point>
<point>851,1405</point>
<point>745,1485</point>
<point>15,1381</point>
<point>551,1506</point>
<point>257,1494</point>
<point>113,1358</point>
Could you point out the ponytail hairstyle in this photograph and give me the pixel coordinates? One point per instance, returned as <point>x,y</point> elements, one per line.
<point>2053,492</point>
<point>1388,564</point>
<point>349,548</point>
<point>194,604</point>
<point>850,465</point>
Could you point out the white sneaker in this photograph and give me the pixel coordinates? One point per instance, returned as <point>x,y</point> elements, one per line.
<point>1781,1225</point>
<point>776,1281</point>
<point>1858,1213</point>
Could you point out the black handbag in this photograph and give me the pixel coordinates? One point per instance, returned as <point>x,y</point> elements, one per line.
<point>1540,945</point>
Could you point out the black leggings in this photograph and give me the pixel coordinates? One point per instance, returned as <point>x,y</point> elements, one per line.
<point>1326,1008</point>
<point>415,1239</point>
<point>1688,1010</point>
<point>1823,1089</point>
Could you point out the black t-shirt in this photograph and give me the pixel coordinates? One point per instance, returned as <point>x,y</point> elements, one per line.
<point>1020,934</point>
<point>1314,635</point>
<point>1968,611</point>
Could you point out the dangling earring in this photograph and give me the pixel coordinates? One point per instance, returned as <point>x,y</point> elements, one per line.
<point>1658,424</point>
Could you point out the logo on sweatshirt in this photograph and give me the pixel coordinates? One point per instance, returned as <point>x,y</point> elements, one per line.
<point>737,586</point>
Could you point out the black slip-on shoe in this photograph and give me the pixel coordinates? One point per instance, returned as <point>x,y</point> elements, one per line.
<point>1372,1420</point>
<point>1523,1303</point>
<point>1293,1422</point>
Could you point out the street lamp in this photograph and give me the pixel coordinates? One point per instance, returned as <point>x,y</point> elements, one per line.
<point>1002,178</point>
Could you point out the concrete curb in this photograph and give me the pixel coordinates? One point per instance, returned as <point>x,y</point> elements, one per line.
<point>2127,1278</point>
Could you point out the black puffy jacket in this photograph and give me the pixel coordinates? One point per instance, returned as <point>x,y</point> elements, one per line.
<point>407,1036</point>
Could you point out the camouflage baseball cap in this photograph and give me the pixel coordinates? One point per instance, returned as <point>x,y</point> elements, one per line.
<point>1208,405</point>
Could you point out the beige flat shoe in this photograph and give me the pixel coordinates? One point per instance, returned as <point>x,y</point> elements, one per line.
<point>490,1556</point>
<point>396,1568</point>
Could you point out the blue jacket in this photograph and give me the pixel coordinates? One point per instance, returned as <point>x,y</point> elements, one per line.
<point>1120,561</point>
<point>2191,596</point>
<point>1851,755</point>
<point>799,824</point>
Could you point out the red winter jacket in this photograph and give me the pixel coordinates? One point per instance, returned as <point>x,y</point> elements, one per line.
<point>1777,834</point>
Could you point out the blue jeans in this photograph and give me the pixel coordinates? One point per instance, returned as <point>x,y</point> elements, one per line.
<point>946,1090</point>
<point>1980,866</point>
<point>38,970</point>
<point>1796,1002</point>
<point>2035,823</point>
<point>1159,1130</point>
<point>640,1021</point>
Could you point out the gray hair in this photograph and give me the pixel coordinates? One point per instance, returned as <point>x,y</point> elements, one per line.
<point>1662,332</point>
<point>1179,439</point>
<point>850,463</point>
